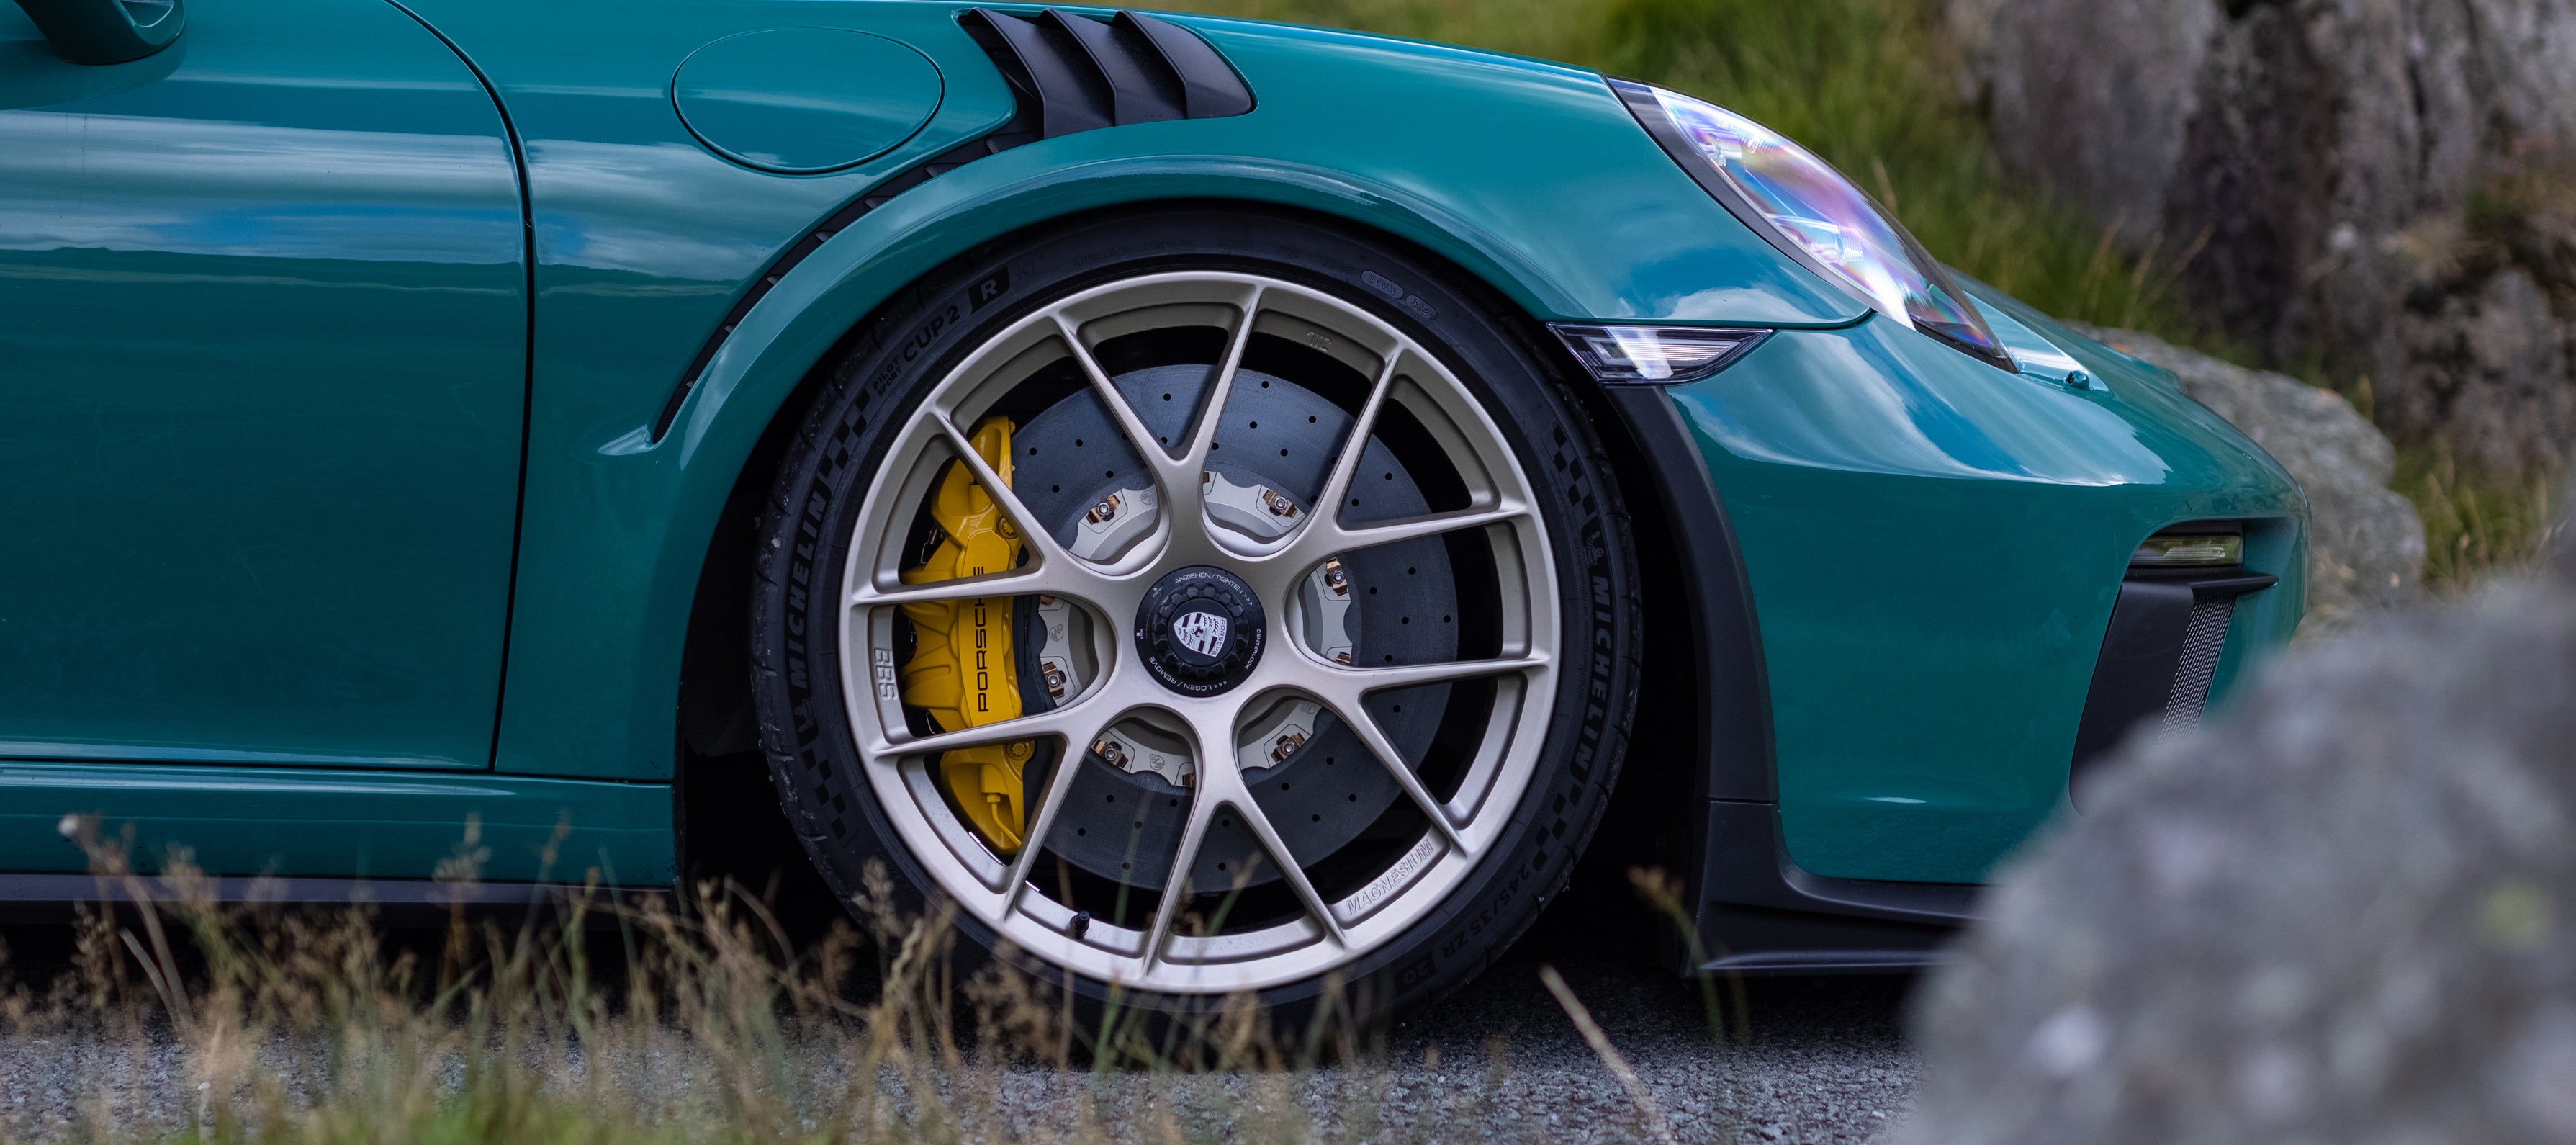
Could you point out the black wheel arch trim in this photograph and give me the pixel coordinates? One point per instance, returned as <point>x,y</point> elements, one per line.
<point>1726,633</point>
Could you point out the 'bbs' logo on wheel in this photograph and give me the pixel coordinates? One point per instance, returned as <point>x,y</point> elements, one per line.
<point>1201,632</point>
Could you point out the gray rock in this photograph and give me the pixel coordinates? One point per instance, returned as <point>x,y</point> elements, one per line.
<point>2057,111</point>
<point>2303,151</point>
<point>2344,913</point>
<point>2365,544</point>
<point>2481,364</point>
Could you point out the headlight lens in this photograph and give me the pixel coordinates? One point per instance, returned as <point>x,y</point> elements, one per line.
<point>1822,214</point>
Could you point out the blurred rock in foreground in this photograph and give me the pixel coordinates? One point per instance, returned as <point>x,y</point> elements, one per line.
<point>2391,183</point>
<point>2344,913</point>
<point>2365,544</point>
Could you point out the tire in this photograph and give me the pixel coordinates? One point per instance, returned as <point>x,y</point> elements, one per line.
<point>1514,743</point>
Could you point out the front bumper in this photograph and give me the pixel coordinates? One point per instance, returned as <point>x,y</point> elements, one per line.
<point>1927,552</point>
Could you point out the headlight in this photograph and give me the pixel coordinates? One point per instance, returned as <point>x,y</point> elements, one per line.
<point>1816,215</point>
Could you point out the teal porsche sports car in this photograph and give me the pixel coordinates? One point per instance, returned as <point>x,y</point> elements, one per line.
<point>547,442</point>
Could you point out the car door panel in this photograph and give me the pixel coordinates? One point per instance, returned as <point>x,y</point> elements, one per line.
<point>263,329</point>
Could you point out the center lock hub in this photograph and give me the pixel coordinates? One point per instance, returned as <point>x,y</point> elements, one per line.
<point>1200,631</point>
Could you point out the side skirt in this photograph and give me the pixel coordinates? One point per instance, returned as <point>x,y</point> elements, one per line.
<point>1759,914</point>
<point>312,823</point>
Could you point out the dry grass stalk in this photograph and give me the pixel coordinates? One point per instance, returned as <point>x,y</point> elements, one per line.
<point>1644,1099</point>
<point>686,1017</point>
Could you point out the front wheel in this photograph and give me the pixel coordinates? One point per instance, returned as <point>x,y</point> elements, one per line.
<point>1203,602</point>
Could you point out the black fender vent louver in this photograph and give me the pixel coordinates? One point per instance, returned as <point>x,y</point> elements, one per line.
<point>1078,73</point>
<point>1068,73</point>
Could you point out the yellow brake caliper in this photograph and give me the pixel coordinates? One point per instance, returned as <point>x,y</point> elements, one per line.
<point>963,670</point>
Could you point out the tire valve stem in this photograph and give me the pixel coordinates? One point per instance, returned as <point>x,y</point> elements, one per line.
<point>1110,752</point>
<point>1335,579</point>
<point>1104,512</point>
<point>1081,923</point>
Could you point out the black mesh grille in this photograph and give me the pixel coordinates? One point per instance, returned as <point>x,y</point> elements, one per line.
<point>1068,73</point>
<point>2202,639</point>
<point>2159,656</point>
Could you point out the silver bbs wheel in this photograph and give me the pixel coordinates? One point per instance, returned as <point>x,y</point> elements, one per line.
<point>1200,634</point>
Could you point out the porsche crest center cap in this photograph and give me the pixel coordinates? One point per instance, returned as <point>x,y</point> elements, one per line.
<point>1199,630</point>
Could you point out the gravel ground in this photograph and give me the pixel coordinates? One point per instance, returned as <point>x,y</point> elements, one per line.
<point>1501,1062</point>
<point>1825,1061</point>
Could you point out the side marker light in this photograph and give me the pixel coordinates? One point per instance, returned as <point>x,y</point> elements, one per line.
<point>1655,354</point>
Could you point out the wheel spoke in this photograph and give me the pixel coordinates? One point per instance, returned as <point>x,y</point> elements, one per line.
<point>1325,541</point>
<point>1254,818</point>
<point>1032,531</point>
<point>1168,474</point>
<point>1050,801</point>
<point>1356,717</point>
<point>1062,722</point>
<point>1018,582</point>
<point>1362,681</point>
<point>1202,438</point>
<point>1176,886</point>
<point>1346,464</point>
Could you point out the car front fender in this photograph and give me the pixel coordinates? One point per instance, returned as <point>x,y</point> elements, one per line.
<point>1530,176</point>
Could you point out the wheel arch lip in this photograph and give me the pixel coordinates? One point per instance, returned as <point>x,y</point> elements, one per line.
<point>825,296</point>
